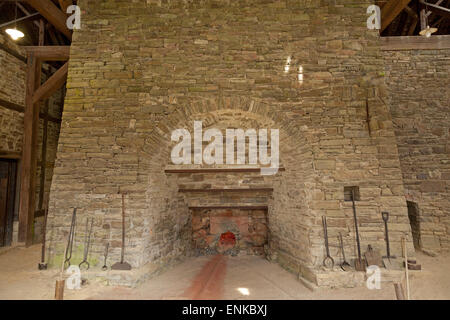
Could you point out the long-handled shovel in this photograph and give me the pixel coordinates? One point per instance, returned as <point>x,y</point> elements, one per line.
<point>373,257</point>
<point>389,261</point>
<point>122,265</point>
<point>360,264</point>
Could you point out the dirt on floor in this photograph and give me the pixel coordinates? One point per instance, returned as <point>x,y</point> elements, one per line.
<point>219,277</point>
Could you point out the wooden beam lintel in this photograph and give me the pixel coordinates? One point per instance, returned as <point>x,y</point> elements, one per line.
<point>437,9</point>
<point>49,53</point>
<point>415,43</point>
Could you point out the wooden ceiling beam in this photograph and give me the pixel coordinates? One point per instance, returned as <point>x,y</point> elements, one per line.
<point>52,35</point>
<point>414,18</point>
<point>24,10</point>
<point>53,14</point>
<point>380,3</point>
<point>31,16</point>
<point>390,11</point>
<point>437,9</point>
<point>49,53</point>
<point>64,4</point>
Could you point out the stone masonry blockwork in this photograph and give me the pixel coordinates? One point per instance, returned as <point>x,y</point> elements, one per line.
<point>140,69</point>
<point>419,91</point>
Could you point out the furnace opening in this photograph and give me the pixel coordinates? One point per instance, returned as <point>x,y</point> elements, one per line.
<point>229,231</point>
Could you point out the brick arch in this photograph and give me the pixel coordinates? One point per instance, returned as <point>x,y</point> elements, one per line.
<point>293,140</point>
<point>287,209</point>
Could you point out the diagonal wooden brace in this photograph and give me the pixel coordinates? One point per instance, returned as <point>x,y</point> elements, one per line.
<point>53,83</point>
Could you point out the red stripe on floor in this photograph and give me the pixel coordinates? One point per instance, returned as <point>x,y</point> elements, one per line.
<point>208,284</point>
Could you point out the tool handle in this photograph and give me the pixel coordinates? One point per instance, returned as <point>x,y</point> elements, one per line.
<point>70,238</point>
<point>385,216</point>
<point>325,233</point>
<point>123,229</point>
<point>405,251</point>
<point>106,249</point>
<point>356,225</point>
<point>342,246</point>
<point>44,227</point>
<point>89,237</point>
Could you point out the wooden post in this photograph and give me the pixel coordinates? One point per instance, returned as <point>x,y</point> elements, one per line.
<point>29,155</point>
<point>59,289</point>
<point>43,157</point>
<point>41,33</point>
<point>44,130</point>
<point>423,19</point>
<point>29,148</point>
<point>405,253</point>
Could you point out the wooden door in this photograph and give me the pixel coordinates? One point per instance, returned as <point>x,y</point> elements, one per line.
<point>7,200</point>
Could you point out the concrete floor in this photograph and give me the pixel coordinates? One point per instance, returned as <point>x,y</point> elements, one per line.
<point>218,277</point>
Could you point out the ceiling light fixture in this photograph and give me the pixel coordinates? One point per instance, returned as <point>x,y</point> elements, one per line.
<point>14,33</point>
<point>427,32</point>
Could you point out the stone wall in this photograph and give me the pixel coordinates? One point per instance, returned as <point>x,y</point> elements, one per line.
<point>12,88</point>
<point>419,94</point>
<point>312,69</point>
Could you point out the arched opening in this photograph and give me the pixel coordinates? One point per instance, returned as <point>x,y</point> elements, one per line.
<point>192,207</point>
<point>413,215</point>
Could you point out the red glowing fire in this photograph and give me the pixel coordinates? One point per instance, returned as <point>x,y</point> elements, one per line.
<point>228,238</point>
